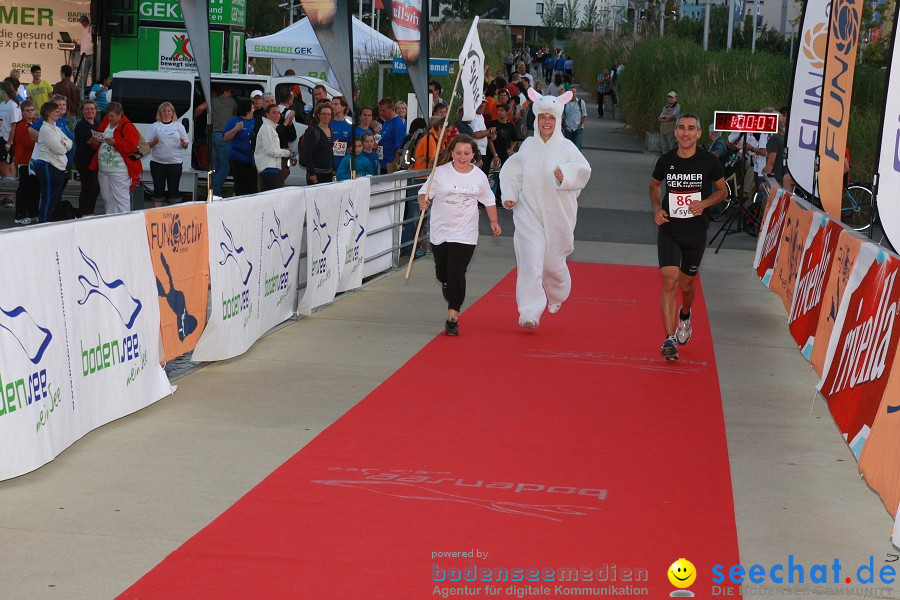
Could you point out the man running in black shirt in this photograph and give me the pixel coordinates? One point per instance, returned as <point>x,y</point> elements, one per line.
<point>680,212</point>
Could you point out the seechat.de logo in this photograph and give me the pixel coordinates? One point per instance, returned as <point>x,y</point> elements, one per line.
<point>682,574</point>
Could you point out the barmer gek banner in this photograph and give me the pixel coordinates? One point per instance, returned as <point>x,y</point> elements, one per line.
<point>352,234</point>
<point>112,310</point>
<point>282,233</point>
<point>323,214</point>
<point>38,411</point>
<point>235,237</point>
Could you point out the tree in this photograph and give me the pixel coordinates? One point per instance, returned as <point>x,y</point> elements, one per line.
<point>469,9</point>
<point>550,19</point>
<point>591,19</point>
<point>264,17</point>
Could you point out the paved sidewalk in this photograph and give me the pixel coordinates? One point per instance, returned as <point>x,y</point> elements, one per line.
<point>118,501</point>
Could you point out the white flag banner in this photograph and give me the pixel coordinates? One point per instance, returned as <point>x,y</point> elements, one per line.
<point>889,160</point>
<point>806,93</point>
<point>379,219</point>
<point>323,213</point>
<point>235,237</point>
<point>112,309</point>
<point>352,233</point>
<point>471,64</point>
<point>282,232</point>
<point>38,414</point>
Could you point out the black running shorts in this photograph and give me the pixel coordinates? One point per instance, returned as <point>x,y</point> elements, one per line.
<point>683,249</point>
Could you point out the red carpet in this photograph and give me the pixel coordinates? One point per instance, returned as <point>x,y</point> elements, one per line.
<point>575,445</point>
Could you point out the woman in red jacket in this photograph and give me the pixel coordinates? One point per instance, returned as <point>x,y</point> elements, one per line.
<point>118,172</point>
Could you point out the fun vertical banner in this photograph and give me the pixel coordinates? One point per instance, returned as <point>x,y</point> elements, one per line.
<point>409,23</point>
<point>863,344</point>
<point>815,268</point>
<point>235,237</point>
<point>323,218</point>
<point>112,311</point>
<point>837,91</point>
<point>471,64</point>
<point>351,237</point>
<point>806,93</point>
<point>38,408</point>
<point>889,148</point>
<point>332,23</point>
<point>279,255</point>
<point>179,250</point>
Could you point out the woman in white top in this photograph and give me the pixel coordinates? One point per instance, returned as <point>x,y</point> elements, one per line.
<point>167,139</point>
<point>457,188</point>
<point>50,168</point>
<point>9,116</point>
<point>268,153</point>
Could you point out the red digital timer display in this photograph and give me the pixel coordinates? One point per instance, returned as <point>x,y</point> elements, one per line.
<point>746,121</point>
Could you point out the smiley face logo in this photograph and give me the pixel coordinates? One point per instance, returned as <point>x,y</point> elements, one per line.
<point>682,573</point>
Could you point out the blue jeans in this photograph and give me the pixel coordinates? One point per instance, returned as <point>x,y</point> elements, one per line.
<point>51,180</point>
<point>576,137</point>
<point>220,163</point>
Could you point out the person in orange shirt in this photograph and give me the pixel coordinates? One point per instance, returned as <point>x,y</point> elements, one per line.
<point>490,107</point>
<point>426,149</point>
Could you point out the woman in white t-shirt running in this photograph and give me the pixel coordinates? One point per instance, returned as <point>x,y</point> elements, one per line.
<point>457,187</point>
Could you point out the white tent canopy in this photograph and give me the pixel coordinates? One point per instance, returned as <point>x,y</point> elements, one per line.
<point>297,48</point>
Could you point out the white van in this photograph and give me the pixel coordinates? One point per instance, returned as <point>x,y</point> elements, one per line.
<point>141,93</point>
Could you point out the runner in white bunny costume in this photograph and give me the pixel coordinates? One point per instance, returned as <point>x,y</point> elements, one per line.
<point>540,183</point>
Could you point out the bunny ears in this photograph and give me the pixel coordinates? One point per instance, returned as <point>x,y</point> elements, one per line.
<point>549,104</point>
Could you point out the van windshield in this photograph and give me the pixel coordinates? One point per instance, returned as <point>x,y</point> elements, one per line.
<point>141,97</point>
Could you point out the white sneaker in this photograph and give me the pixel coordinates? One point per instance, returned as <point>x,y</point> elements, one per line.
<point>683,332</point>
<point>528,324</point>
<point>553,308</point>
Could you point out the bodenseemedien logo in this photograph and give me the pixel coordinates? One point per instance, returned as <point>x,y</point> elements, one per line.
<point>682,574</point>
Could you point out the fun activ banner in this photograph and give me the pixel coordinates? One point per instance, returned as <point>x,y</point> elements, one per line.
<point>806,93</point>
<point>788,260</point>
<point>282,232</point>
<point>38,412</point>
<point>770,233</point>
<point>862,346</point>
<point>235,238</point>
<point>845,255</point>
<point>815,267</point>
<point>409,23</point>
<point>179,249</point>
<point>840,63</point>
<point>323,218</point>
<point>889,148</point>
<point>351,237</point>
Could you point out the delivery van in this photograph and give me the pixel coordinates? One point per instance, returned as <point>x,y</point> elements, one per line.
<point>141,93</point>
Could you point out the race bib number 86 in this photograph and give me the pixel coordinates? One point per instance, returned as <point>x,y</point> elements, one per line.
<point>680,204</point>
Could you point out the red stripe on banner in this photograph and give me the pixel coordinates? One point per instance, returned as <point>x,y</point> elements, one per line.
<point>571,446</point>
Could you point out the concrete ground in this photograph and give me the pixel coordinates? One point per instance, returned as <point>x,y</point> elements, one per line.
<point>113,505</point>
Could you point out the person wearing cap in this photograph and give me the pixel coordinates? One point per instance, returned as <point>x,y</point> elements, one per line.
<point>86,48</point>
<point>256,100</point>
<point>668,116</point>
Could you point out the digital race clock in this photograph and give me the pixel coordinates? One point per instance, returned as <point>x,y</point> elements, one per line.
<point>746,121</point>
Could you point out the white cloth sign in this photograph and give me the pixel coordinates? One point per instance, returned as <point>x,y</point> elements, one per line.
<point>379,243</point>
<point>889,161</point>
<point>352,233</point>
<point>471,61</point>
<point>282,232</point>
<point>323,212</point>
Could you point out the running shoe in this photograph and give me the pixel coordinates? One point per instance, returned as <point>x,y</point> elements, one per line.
<point>451,328</point>
<point>553,308</point>
<point>669,349</point>
<point>683,332</point>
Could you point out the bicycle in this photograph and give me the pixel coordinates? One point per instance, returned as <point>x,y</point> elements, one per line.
<point>858,210</point>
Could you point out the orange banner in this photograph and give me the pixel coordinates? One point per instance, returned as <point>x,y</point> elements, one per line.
<point>790,255</point>
<point>837,89</point>
<point>845,256</point>
<point>179,249</point>
<point>880,459</point>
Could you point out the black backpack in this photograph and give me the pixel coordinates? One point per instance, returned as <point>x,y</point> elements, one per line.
<point>301,150</point>
<point>408,149</point>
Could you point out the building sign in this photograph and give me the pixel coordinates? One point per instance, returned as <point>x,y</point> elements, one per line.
<point>221,12</point>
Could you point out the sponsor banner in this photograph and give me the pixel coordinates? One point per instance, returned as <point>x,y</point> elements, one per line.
<point>436,66</point>
<point>471,64</point>
<point>879,461</point>
<point>352,232</point>
<point>323,218</point>
<point>221,12</point>
<point>806,93</point>
<point>235,237</point>
<point>767,243</point>
<point>889,155</point>
<point>38,412</point>
<point>792,240</point>
<point>815,267</point>
<point>112,311</point>
<point>379,244</point>
<point>409,23</point>
<point>863,343</point>
<point>840,63</point>
<point>179,251</point>
<point>332,23</point>
<point>282,232</point>
<point>30,33</point>
<point>845,255</point>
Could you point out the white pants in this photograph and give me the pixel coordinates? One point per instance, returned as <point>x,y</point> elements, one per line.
<point>115,189</point>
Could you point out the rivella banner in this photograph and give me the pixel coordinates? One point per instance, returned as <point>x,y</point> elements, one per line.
<point>409,23</point>
<point>30,32</point>
<point>815,268</point>
<point>179,250</point>
<point>889,155</point>
<point>792,240</point>
<point>331,22</point>
<point>863,343</point>
<point>806,93</point>
<point>837,92</point>
<point>770,233</point>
